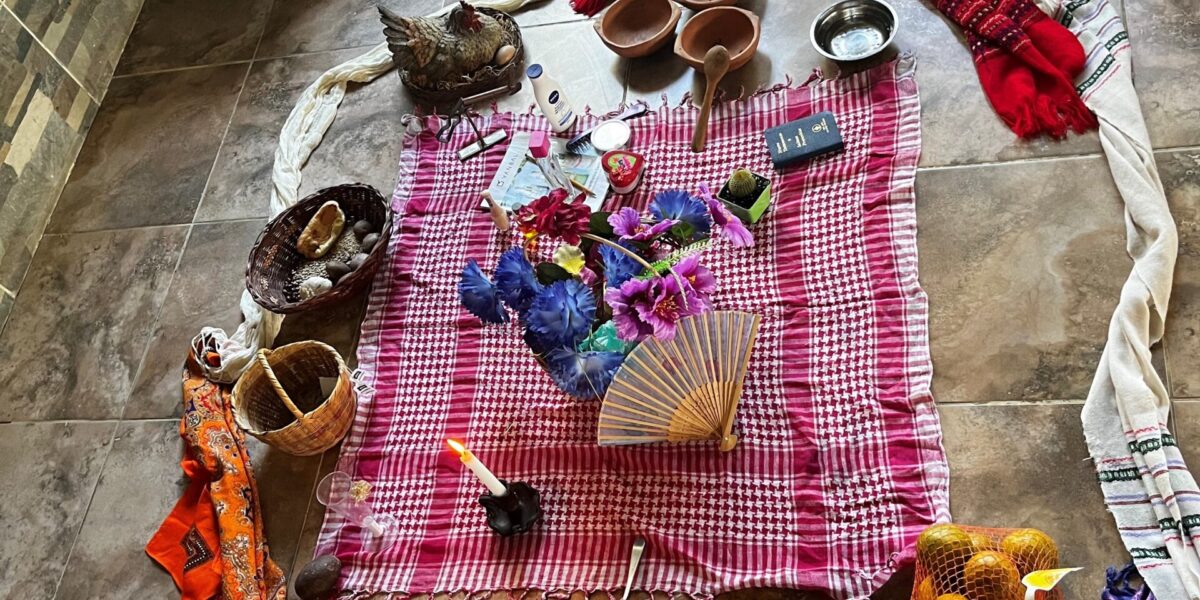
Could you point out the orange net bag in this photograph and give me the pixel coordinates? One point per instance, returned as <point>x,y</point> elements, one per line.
<point>960,562</point>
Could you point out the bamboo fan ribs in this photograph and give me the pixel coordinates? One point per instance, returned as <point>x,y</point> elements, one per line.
<point>683,389</point>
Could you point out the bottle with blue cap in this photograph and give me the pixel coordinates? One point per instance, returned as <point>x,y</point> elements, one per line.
<point>551,99</point>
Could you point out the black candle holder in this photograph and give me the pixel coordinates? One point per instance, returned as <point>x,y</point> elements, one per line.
<point>515,512</point>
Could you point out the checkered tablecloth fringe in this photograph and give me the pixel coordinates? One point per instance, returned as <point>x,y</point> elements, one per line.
<point>840,463</point>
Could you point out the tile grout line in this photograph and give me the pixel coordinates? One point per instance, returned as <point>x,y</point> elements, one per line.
<point>5,8</point>
<point>237,100</point>
<point>112,441</point>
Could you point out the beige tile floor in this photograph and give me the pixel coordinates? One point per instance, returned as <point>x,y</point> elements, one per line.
<point>1021,252</point>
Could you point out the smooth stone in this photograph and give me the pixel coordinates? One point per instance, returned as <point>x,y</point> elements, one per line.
<point>337,269</point>
<point>362,227</point>
<point>368,243</point>
<point>357,261</point>
<point>318,579</point>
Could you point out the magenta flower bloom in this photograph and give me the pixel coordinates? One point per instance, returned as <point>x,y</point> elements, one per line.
<point>667,304</point>
<point>696,275</point>
<point>732,227</point>
<point>627,223</point>
<point>623,301</point>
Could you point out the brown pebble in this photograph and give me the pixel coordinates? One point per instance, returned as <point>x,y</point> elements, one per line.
<point>362,227</point>
<point>368,243</point>
<point>337,269</point>
<point>318,579</point>
<point>357,261</point>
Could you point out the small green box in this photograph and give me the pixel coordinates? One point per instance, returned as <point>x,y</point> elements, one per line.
<point>749,214</point>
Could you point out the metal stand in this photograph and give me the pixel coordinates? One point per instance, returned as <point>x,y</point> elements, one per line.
<point>515,512</point>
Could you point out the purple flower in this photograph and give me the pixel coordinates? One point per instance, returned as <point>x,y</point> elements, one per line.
<point>667,304</point>
<point>732,227</point>
<point>699,278</point>
<point>628,224</point>
<point>623,301</point>
<point>645,307</point>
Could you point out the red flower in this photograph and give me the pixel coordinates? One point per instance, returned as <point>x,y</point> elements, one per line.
<point>552,215</point>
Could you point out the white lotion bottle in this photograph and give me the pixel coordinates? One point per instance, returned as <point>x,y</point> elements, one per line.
<point>551,99</point>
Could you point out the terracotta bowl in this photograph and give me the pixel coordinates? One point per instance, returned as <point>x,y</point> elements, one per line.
<point>699,5</point>
<point>737,29</point>
<point>634,28</point>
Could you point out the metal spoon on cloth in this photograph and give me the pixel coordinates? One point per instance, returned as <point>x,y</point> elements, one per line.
<point>716,65</point>
<point>635,557</point>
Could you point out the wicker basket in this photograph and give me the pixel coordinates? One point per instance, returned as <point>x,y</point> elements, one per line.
<point>278,400</point>
<point>274,257</point>
<point>485,78</point>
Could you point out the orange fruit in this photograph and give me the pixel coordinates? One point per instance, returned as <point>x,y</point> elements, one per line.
<point>981,542</point>
<point>1031,549</point>
<point>991,576</point>
<point>943,549</point>
<point>924,590</point>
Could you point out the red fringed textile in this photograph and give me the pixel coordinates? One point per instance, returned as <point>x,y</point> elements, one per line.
<point>589,7</point>
<point>1026,63</point>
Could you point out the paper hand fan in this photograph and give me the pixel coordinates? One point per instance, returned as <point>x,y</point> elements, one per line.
<point>683,389</point>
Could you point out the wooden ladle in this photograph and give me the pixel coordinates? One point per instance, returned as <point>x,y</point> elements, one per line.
<point>716,65</point>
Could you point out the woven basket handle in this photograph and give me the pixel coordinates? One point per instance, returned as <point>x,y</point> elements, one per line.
<point>262,360</point>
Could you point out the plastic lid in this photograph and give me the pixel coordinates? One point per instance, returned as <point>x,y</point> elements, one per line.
<point>534,71</point>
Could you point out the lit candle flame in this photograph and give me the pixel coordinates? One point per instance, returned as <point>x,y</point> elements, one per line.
<point>456,446</point>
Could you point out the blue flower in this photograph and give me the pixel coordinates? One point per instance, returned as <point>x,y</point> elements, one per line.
<point>584,375</point>
<point>682,207</point>
<point>516,281</point>
<point>479,296</point>
<point>561,315</point>
<point>618,266</point>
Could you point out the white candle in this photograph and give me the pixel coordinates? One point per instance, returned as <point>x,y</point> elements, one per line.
<point>478,468</point>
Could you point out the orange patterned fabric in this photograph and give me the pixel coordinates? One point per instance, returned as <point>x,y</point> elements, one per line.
<point>213,543</point>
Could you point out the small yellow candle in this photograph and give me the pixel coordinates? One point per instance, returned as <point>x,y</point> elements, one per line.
<point>478,468</point>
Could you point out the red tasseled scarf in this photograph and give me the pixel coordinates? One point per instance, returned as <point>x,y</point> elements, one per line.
<point>589,7</point>
<point>1026,63</point>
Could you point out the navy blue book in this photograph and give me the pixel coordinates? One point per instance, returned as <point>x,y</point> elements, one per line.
<point>803,139</point>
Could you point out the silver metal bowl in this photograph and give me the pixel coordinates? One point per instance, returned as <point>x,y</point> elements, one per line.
<point>853,30</point>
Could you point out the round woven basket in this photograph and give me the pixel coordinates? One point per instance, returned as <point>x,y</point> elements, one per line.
<point>279,401</point>
<point>485,78</point>
<point>274,257</point>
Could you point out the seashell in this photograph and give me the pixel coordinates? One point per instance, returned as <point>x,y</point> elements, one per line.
<point>504,54</point>
<point>357,261</point>
<point>368,243</point>
<point>337,270</point>
<point>322,231</point>
<point>314,286</point>
<point>362,228</point>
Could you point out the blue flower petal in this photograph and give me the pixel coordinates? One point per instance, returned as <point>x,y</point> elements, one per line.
<point>584,375</point>
<point>479,296</point>
<point>683,207</point>
<point>516,280</point>
<point>561,315</point>
<point>618,267</point>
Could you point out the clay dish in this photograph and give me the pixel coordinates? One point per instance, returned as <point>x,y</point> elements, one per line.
<point>736,29</point>
<point>699,5</point>
<point>634,28</point>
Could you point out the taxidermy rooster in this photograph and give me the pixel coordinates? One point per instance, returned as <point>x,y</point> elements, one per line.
<point>444,48</point>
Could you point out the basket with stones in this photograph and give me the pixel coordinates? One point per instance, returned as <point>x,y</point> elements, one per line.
<point>323,250</point>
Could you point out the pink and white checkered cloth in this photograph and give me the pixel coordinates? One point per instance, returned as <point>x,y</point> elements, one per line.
<point>839,465</point>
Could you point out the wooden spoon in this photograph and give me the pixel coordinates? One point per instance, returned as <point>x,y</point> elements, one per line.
<point>716,65</point>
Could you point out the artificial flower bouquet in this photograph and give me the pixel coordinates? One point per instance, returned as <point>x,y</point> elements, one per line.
<point>613,280</point>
